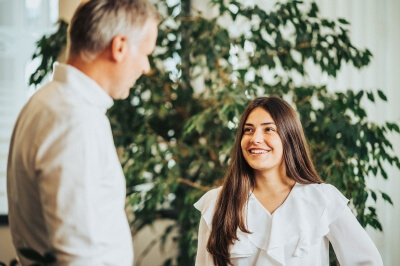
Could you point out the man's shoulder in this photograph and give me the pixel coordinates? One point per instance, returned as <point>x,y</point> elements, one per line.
<point>55,101</point>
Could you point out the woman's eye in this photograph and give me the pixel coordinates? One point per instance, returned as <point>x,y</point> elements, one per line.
<point>247,130</point>
<point>269,129</point>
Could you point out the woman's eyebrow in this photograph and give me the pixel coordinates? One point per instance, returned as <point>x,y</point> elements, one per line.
<point>263,124</point>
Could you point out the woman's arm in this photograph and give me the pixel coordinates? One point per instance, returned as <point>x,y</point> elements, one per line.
<point>351,242</point>
<point>203,257</point>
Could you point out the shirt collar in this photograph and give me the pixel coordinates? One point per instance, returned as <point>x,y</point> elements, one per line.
<point>82,85</point>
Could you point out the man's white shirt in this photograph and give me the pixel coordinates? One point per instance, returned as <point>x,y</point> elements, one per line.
<point>66,188</point>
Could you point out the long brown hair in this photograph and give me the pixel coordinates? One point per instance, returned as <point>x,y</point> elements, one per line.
<point>239,179</point>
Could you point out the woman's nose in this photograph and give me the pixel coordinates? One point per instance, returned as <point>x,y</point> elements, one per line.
<point>257,137</point>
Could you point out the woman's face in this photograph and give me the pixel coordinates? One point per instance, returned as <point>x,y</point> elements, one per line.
<point>261,144</point>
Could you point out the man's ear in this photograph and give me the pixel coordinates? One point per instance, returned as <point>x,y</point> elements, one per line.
<point>119,47</point>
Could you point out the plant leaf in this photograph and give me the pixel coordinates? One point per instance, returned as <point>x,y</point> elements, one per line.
<point>382,95</point>
<point>386,198</point>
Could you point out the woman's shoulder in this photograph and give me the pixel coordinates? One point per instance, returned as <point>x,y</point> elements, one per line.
<point>323,191</point>
<point>206,204</point>
<point>309,206</point>
<point>321,203</point>
<point>208,199</point>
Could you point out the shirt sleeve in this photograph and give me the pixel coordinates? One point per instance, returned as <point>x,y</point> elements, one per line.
<point>351,243</point>
<point>205,205</point>
<point>68,179</point>
<point>203,257</point>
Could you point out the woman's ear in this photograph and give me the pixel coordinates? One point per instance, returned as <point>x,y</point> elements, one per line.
<point>119,47</point>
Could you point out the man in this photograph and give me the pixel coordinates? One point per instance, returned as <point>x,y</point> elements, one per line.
<point>66,188</point>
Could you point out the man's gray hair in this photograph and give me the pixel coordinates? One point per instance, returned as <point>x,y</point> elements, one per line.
<point>96,22</point>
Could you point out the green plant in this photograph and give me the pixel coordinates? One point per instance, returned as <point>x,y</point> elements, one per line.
<point>48,49</point>
<point>175,131</point>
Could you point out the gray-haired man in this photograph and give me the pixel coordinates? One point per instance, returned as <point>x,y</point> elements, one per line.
<point>66,188</point>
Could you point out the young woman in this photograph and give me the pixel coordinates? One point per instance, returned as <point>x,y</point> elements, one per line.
<point>273,209</point>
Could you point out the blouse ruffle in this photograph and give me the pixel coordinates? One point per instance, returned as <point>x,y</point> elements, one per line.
<point>303,218</point>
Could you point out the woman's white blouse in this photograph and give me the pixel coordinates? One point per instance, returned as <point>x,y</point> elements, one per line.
<point>297,233</point>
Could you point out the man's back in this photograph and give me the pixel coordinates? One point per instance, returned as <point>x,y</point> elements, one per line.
<point>65,183</point>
